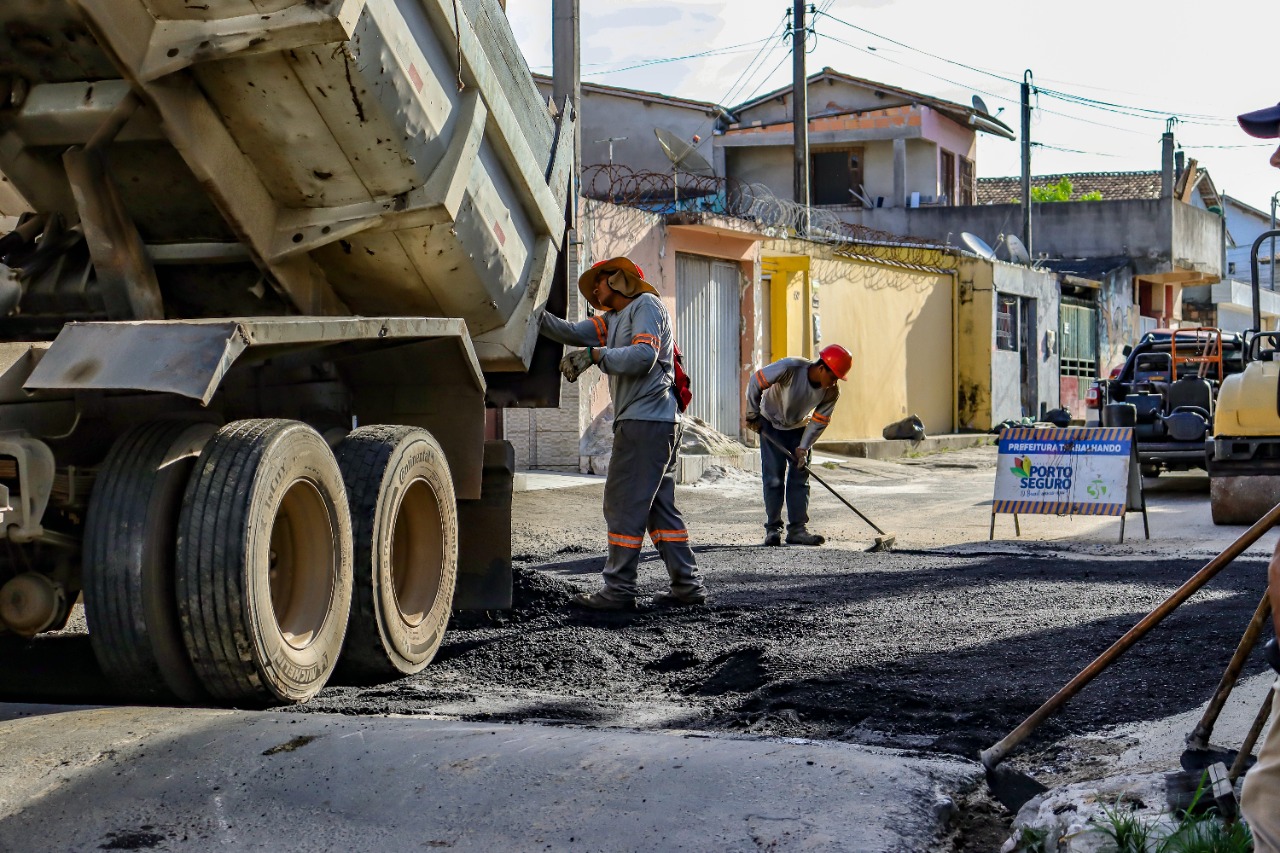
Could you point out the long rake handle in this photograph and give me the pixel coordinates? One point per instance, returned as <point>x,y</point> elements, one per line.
<point>1199,737</point>
<point>995,754</point>
<point>825,484</point>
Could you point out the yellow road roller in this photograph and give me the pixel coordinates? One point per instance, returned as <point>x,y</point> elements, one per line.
<point>1244,453</point>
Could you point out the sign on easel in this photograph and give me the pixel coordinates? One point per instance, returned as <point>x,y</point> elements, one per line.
<point>1073,471</point>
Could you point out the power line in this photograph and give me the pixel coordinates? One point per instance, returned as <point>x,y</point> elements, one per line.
<point>664,60</point>
<point>1121,109</point>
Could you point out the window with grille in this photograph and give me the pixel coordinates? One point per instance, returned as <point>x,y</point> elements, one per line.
<point>968,183</point>
<point>1007,323</point>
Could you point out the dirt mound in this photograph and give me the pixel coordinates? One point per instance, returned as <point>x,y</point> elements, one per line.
<point>699,438</point>
<point>537,592</point>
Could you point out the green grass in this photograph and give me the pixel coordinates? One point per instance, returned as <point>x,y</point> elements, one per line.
<point>1205,832</point>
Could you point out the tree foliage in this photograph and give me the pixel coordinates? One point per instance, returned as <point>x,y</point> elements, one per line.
<point>1060,191</point>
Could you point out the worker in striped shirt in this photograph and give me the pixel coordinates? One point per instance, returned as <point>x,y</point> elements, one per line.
<point>791,401</point>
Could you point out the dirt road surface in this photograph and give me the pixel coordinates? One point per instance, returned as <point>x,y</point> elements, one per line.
<point>938,648</point>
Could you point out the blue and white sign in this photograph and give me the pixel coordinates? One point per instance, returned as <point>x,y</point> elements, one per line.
<point>1075,471</point>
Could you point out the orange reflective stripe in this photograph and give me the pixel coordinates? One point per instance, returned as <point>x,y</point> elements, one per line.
<point>669,535</point>
<point>624,541</point>
<point>651,340</point>
<point>761,381</point>
<point>601,330</point>
<point>822,419</point>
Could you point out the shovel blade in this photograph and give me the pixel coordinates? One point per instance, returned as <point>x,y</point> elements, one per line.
<point>1012,789</point>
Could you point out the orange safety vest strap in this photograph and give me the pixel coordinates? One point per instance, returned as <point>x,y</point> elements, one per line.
<point>761,381</point>
<point>651,340</point>
<point>624,541</point>
<point>601,330</point>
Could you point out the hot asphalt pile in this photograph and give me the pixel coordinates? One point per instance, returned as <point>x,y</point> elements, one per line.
<point>939,652</point>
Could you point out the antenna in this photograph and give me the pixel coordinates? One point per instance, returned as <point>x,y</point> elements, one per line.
<point>1017,250</point>
<point>978,246</point>
<point>981,106</point>
<point>611,140</point>
<point>683,156</point>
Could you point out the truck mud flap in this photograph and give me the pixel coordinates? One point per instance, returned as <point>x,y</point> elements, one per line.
<point>484,535</point>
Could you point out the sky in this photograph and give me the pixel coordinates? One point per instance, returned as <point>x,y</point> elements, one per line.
<point>1139,61</point>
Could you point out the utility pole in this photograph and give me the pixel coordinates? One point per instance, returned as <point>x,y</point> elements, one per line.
<point>800,106</point>
<point>1026,161</point>
<point>566,70</point>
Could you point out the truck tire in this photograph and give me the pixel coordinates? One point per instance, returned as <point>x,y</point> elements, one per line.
<point>128,568</point>
<point>404,519</point>
<point>264,563</point>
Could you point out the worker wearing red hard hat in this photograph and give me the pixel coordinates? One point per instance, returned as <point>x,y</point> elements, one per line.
<point>1260,799</point>
<point>792,401</point>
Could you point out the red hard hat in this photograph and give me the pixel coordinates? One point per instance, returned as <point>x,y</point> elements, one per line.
<point>837,358</point>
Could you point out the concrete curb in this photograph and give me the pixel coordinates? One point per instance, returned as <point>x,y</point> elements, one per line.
<point>879,448</point>
<point>690,468</point>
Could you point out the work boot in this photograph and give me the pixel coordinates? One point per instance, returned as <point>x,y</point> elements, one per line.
<point>599,601</point>
<point>772,538</point>
<point>670,599</point>
<point>804,537</point>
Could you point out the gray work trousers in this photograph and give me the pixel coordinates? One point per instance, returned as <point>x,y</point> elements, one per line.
<point>1260,800</point>
<point>640,495</point>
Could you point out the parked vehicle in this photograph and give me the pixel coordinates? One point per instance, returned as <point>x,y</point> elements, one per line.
<point>1244,456</point>
<point>1167,391</point>
<point>272,261</point>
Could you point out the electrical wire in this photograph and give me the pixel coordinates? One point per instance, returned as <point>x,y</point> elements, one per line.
<point>1095,103</point>
<point>718,51</point>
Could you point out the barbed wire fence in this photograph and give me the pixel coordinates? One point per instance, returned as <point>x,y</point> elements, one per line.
<point>670,192</point>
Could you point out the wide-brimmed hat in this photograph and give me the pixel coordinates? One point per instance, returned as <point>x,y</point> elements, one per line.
<point>630,283</point>
<point>1263,123</point>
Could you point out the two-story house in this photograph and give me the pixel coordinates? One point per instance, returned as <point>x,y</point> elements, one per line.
<point>870,144</point>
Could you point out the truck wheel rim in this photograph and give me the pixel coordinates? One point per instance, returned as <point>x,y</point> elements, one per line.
<point>417,553</point>
<point>302,563</point>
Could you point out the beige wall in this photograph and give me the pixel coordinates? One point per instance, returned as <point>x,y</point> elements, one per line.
<point>896,322</point>
<point>975,316</point>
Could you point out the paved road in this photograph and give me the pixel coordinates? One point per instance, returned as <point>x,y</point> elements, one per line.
<point>940,647</point>
<point>132,778</point>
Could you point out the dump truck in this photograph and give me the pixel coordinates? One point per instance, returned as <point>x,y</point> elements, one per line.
<point>266,264</point>
<point>1244,453</point>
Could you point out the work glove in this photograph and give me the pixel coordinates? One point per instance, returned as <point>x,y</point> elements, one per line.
<point>754,423</point>
<point>575,363</point>
<point>802,457</point>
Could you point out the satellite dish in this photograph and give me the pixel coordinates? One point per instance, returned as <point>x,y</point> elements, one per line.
<point>683,156</point>
<point>981,106</point>
<point>1017,250</point>
<point>978,246</point>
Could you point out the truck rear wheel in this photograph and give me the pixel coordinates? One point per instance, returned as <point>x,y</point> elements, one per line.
<point>405,524</point>
<point>129,596</point>
<point>264,563</point>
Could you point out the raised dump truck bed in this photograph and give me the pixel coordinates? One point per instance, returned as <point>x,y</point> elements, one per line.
<point>263,257</point>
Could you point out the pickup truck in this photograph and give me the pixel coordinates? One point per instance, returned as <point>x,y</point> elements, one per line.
<point>1167,390</point>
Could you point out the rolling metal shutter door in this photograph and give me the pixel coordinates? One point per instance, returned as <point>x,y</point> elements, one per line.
<point>707,329</point>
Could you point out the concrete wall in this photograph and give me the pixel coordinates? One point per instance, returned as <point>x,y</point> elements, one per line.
<point>605,114</point>
<point>990,379</point>
<point>1117,319</point>
<point>1198,238</point>
<point>1141,229</point>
